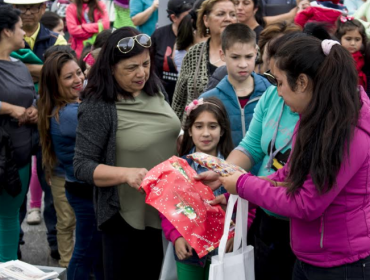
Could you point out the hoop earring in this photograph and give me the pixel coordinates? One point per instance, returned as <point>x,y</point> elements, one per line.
<point>207,31</point>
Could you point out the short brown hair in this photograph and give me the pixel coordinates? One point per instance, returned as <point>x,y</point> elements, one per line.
<point>206,9</point>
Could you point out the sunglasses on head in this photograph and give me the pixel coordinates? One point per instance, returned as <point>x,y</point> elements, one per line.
<point>271,78</point>
<point>126,45</point>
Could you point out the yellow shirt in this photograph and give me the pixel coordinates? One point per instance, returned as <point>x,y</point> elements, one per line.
<point>32,39</point>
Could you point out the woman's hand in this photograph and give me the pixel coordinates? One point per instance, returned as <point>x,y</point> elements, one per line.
<point>134,177</point>
<point>18,113</point>
<point>32,115</point>
<point>155,5</point>
<point>209,178</point>
<point>229,182</point>
<point>183,249</point>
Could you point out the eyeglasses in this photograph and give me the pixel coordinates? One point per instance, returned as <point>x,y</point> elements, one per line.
<point>126,45</point>
<point>271,78</point>
<point>33,9</point>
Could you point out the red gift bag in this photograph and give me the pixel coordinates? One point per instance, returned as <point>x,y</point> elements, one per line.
<point>171,189</point>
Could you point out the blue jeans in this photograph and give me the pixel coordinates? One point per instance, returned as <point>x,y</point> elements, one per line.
<point>359,270</point>
<point>87,254</point>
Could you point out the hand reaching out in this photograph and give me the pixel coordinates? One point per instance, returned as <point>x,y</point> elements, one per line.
<point>209,178</point>
<point>229,182</point>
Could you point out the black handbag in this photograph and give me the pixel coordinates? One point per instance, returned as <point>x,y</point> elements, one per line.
<point>9,176</point>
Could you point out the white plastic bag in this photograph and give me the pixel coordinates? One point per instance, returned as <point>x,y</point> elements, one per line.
<point>169,269</point>
<point>238,264</point>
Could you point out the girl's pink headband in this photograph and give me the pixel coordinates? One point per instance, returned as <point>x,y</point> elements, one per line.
<point>195,103</point>
<point>326,46</point>
<point>345,19</point>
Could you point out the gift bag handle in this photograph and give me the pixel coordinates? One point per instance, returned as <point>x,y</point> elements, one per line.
<point>228,216</point>
<point>241,229</point>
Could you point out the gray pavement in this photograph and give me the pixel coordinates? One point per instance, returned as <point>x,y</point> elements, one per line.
<point>36,249</point>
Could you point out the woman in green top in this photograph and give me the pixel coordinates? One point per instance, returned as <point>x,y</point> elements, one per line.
<point>125,127</point>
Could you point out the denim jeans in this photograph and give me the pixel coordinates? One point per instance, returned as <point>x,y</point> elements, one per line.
<point>359,270</point>
<point>87,254</point>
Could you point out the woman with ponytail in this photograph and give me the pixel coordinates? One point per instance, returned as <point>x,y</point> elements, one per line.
<point>323,188</point>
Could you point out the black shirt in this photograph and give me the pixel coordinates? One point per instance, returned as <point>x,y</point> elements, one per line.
<point>258,30</point>
<point>163,40</point>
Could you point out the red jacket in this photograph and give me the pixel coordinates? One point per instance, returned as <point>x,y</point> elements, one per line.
<point>80,31</point>
<point>317,14</point>
<point>360,63</point>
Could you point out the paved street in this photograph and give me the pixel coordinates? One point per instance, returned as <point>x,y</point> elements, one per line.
<point>36,250</point>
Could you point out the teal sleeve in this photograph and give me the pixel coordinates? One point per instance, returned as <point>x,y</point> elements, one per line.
<point>251,143</point>
<point>136,7</point>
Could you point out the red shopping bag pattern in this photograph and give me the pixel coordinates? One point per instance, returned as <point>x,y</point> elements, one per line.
<point>171,189</point>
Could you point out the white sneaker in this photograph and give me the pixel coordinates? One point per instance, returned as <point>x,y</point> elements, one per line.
<point>34,216</point>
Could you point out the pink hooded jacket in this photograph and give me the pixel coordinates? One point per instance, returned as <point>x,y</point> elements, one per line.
<point>330,229</point>
<point>80,31</point>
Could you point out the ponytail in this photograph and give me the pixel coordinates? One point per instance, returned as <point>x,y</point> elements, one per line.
<point>328,122</point>
<point>185,35</point>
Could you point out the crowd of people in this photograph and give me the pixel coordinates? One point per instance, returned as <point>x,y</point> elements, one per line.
<point>86,111</point>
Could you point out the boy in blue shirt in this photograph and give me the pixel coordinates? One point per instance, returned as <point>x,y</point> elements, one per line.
<point>241,89</point>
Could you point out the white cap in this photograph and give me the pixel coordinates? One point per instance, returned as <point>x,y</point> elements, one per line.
<point>24,2</point>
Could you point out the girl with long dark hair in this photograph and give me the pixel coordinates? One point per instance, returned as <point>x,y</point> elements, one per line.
<point>60,86</point>
<point>323,188</point>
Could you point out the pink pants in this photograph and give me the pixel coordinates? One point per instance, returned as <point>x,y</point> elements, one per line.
<point>35,187</point>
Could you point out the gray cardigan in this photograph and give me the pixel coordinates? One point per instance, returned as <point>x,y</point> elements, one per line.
<point>96,144</point>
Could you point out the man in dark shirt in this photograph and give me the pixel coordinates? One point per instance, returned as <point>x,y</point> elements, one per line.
<point>163,40</point>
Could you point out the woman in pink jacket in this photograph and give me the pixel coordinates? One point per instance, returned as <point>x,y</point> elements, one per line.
<point>324,188</point>
<point>83,18</point>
